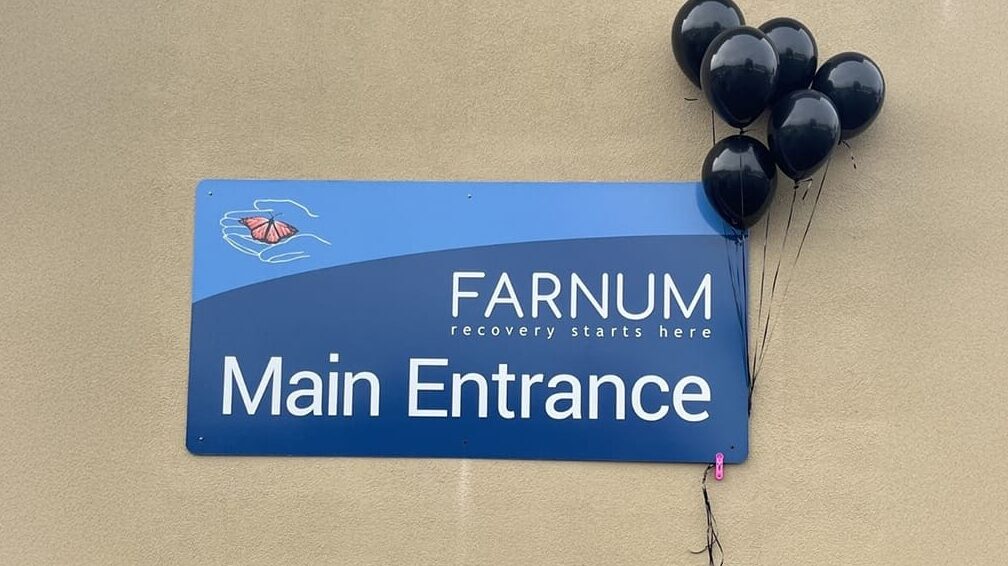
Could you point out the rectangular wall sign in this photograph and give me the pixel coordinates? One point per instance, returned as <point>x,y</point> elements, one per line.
<point>567,321</point>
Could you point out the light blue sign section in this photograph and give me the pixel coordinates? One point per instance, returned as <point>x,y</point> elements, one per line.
<point>418,217</point>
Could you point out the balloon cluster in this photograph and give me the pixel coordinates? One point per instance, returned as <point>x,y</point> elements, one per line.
<point>745,70</point>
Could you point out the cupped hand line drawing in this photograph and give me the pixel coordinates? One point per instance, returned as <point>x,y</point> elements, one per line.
<point>258,232</point>
<point>282,258</point>
<point>255,204</point>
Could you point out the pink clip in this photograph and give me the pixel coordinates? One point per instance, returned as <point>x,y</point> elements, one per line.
<point>719,466</point>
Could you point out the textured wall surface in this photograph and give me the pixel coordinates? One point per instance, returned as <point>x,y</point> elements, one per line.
<point>879,432</point>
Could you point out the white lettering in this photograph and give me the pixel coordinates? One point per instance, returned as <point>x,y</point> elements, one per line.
<point>315,392</point>
<point>594,382</point>
<point>704,290</point>
<point>457,380</point>
<point>679,397</point>
<point>503,377</point>
<point>457,294</point>
<point>550,298</point>
<point>504,284</point>
<point>635,398</point>
<point>528,380</point>
<point>348,391</point>
<point>573,396</point>
<point>416,386</point>
<point>601,306</point>
<point>620,298</point>
<point>232,374</point>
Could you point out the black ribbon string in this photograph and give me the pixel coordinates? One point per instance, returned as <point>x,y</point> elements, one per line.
<point>713,132</point>
<point>743,243</point>
<point>801,246</point>
<point>759,312</point>
<point>808,225</point>
<point>808,185</point>
<point>734,278</point>
<point>744,315</point>
<point>851,150</point>
<point>761,349</point>
<point>713,548</point>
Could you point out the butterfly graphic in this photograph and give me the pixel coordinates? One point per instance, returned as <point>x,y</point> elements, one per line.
<point>269,230</point>
<point>258,232</point>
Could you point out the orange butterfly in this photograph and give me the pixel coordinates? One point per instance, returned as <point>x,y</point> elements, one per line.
<point>268,230</point>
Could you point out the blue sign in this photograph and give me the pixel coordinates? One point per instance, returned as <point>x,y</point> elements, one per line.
<point>566,321</point>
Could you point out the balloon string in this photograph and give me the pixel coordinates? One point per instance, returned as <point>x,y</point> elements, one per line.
<point>773,291</point>
<point>741,190</point>
<point>808,225</point>
<point>780,257</point>
<point>743,312</point>
<point>759,312</point>
<point>851,150</point>
<point>713,132</point>
<point>801,245</point>
<point>733,277</point>
<point>808,186</point>
<point>744,315</point>
<point>712,548</point>
<point>688,99</point>
<point>732,271</point>
<point>740,287</point>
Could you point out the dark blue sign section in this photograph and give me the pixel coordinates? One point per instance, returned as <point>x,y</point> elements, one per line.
<point>625,348</point>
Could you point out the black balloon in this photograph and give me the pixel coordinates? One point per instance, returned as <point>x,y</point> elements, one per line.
<point>797,54</point>
<point>739,75</point>
<point>803,131</point>
<point>740,178</point>
<point>695,27</point>
<point>856,86</point>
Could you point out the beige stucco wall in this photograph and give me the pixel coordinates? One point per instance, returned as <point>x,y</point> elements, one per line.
<point>879,434</point>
